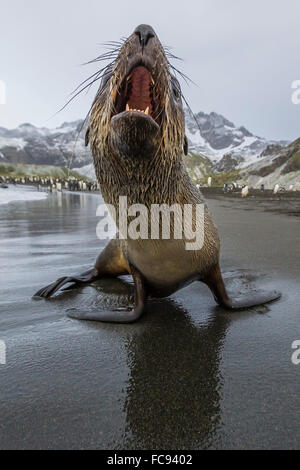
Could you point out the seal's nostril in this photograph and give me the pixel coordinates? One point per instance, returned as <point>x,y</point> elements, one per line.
<point>144,33</point>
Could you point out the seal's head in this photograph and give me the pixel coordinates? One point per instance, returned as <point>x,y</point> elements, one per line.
<point>138,109</point>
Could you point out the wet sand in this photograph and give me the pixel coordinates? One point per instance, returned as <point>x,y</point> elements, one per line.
<point>188,376</point>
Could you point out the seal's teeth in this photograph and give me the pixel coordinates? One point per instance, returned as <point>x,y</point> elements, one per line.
<point>127,107</point>
<point>147,110</point>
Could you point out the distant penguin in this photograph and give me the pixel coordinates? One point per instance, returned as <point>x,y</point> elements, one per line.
<point>209,182</point>
<point>245,191</point>
<point>276,189</point>
<point>291,188</point>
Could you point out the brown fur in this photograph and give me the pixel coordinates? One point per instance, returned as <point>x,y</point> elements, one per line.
<point>161,179</point>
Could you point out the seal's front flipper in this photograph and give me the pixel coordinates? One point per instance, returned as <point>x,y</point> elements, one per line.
<point>74,281</point>
<point>110,262</point>
<point>118,315</point>
<point>215,282</point>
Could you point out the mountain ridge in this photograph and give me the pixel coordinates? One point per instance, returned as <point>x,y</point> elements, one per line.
<point>226,146</point>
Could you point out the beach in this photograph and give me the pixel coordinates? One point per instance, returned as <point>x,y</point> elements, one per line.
<point>188,375</point>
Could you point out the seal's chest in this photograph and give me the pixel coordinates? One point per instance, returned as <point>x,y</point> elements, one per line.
<point>163,262</point>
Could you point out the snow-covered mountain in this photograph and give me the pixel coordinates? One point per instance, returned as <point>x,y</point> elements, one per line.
<point>227,147</point>
<point>63,146</point>
<point>216,137</point>
<point>277,165</point>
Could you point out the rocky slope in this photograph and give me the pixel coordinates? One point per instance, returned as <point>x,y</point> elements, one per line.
<point>277,165</point>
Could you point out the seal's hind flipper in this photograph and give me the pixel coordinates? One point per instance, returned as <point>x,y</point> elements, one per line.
<point>118,315</point>
<point>75,281</point>
<point>214,281</point>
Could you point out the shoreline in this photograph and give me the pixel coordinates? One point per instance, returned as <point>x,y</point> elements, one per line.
<point>268,194</point>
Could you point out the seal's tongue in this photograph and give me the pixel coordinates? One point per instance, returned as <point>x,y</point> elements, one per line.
<point>140,98</point>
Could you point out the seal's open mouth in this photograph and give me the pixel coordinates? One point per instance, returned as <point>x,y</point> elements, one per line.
<point>138,94</point>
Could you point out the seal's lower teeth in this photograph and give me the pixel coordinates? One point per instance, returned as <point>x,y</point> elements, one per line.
<point>146,111</point>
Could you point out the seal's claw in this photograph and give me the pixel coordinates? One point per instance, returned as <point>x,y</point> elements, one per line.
<point>75,281</point>
<point>48,291</point>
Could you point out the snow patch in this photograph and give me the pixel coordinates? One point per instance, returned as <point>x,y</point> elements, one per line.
<point>15,142</point>
<point>20,193</point>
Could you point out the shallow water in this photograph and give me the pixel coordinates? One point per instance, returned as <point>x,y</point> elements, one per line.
<point>188,376</point>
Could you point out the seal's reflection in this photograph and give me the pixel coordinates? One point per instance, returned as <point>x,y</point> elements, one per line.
<point>174,390</point>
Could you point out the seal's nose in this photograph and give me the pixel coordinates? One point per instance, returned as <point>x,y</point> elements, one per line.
<point>144,33</point>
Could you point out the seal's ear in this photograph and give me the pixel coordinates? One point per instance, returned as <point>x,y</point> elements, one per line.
<point>186,146</point>
<point>87,137</point>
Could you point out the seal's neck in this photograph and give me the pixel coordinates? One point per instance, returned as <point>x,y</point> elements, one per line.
<point>144,181</point>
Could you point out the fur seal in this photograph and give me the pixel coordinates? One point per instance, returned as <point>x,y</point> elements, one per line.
<point>137,136</point>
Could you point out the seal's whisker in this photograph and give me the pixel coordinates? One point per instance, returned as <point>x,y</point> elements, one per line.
<point>170,54</point>
<point>182,75</point>
<point>111,55</point>
<point>78,93</point>
<point>103,73</point>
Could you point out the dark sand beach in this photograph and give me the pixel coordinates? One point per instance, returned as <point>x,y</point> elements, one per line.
<point>189,375</point>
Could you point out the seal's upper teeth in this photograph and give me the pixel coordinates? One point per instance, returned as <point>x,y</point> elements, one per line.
<point>127,107</point>
<point>147,110</point>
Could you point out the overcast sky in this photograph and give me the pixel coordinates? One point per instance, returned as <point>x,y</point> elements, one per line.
<point>243,55</point>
